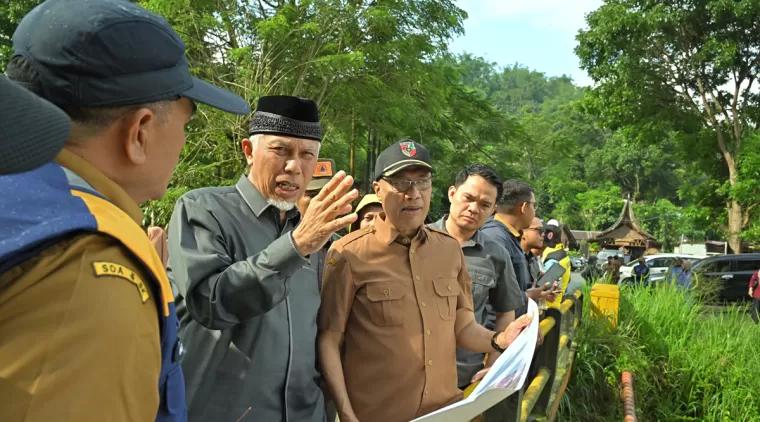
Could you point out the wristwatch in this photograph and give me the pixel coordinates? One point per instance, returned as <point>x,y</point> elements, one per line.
<point>495,345</point>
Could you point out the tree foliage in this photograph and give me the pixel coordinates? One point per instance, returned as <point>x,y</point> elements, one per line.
<point>381,71</point>
<point>683,71</point>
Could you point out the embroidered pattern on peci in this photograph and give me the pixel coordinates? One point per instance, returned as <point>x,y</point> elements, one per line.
<point>268,122</point>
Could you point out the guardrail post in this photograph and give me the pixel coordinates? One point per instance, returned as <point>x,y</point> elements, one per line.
<point>547,358</point>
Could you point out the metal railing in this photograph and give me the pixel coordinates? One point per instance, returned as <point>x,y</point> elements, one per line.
<point>550,369</point>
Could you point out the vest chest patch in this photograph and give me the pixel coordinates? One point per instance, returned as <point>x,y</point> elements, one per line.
<point>112,269</point>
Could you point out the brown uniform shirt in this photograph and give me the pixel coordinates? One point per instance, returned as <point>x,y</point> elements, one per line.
<point>75,346</point>
<point>401,304</point>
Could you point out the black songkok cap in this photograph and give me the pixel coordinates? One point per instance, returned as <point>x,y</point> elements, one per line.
<point>287,116</point>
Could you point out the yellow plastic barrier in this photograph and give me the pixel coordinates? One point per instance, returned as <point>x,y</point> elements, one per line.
<point>605,302</point>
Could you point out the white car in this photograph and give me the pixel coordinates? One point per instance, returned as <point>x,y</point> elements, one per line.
<point>658,264</point>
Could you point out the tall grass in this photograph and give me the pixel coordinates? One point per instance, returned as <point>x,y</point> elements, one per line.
<point>689,364</point>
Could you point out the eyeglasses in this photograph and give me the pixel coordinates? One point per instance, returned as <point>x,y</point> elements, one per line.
<point>404,185</point>
<point>537,230</point>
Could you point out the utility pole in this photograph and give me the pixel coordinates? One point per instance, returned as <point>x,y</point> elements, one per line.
<point>665,244</point>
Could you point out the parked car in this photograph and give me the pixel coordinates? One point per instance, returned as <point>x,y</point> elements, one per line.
<point>734,271</point>
<point>658,264</point>
<point>604,253</point>
<point>577,263</point>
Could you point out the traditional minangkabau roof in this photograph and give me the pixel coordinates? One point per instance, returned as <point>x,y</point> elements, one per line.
<point>584,235</point>
<point>625,230</point>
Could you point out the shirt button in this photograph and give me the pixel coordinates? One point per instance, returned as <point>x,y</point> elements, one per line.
<point>411,250</point>
<point>449,287</point>
<point>416,277</point>
<point>427,332</point>
<point>426,392</point>
<point>430,362</point>
<point>423,304</point>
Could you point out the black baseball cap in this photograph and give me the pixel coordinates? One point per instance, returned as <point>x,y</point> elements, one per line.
<point>100,53</point>
<point>403,154</point>
<point>33,130</point>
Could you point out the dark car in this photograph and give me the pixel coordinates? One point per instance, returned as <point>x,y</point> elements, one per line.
<point>734,271</point>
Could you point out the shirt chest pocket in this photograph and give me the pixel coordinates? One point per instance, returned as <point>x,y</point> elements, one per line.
<point>385,303</point>
<point>482,283</point>
<point>446,292</point>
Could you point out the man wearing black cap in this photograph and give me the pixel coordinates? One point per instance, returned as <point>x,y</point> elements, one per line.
<point>245,263</point>
<point>87,321</point>
<point>396,302</point>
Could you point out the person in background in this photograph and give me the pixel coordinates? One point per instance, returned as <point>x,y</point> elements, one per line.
<point>555,253</point>
<point>158,238</point>
<point>591,273</point>
<point>754,293</point>
<point>674,271</point>
<point>514,213</point>
<point>532,243</point>
<point>367,210</point>
<point>323,173</point>
<point>684,276</point>
<point>641,273</point>
<point>88,326</point>
<point>615,270</point>
<point>607,269</point>
<point>396,302</point>
<point>473,199</point>
<point>243,259</point>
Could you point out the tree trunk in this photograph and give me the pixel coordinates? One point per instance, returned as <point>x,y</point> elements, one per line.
<point>735,211</point>
<point>370,162</point>
<point>352,146</point>
<point>735,224</point>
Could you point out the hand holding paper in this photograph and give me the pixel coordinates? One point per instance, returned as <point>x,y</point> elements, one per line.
<point>513,330</point>
<point>507,375</point>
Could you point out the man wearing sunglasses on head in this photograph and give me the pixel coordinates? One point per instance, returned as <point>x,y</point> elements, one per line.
<point>398,295</point>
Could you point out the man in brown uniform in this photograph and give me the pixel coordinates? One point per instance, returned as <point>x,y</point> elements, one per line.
<point>81,331</point>
<point>396,302</point>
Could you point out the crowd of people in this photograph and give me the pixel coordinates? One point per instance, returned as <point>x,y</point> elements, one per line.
<point>249,306</point>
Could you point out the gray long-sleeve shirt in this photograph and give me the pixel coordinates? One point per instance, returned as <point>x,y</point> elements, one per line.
<point>247,302</point>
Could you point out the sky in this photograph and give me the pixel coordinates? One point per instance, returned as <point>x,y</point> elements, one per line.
<point>539,34</point>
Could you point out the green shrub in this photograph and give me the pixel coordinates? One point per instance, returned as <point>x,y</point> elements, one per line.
<point>688,364</point>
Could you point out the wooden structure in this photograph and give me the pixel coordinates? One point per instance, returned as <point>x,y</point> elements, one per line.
<point>626,233</point>
<point>568,239</point>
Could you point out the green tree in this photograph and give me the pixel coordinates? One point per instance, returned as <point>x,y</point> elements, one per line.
<point>685,66</point>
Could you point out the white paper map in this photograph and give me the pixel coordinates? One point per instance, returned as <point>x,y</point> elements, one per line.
<point>506,376</point>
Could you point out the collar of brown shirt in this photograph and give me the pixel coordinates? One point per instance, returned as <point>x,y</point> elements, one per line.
<point>100,183</point>
<point>387,233</point>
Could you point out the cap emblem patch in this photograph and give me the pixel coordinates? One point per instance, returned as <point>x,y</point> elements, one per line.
<point>324,168</point>
<point>408,149</point>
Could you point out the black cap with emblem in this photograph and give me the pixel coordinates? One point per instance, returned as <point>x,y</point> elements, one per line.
<point>403,154</point>
<point>287,116</point>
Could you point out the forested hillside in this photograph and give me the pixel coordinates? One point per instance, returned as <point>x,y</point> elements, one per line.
<point>381,71</point>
